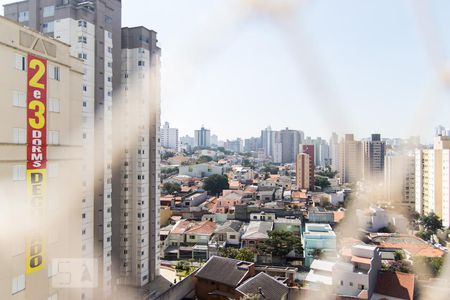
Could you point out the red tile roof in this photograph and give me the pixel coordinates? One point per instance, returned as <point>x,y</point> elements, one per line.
<point>395,284</point>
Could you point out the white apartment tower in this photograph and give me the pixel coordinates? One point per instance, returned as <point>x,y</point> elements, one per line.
<point>169,137</point>
<point>136,201</point>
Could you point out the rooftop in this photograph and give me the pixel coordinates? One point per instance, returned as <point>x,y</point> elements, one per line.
<point>266,286</point>
<point>224,270</point>
<point>395,284</point>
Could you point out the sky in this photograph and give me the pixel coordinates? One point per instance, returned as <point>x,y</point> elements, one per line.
<point>350,66</point>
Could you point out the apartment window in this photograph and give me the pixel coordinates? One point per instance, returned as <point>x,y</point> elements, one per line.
<point>52,170</point>
<point>141,63</point>
<point>53,297</point>
<point>18,284</point>
<point>49,11</point>
<point>82,23</point>
<point>53,105</point>
<point>55,73</point>
<point>350,283</point>
<point>19,135</point>
<point>19,172</point>
<point>53,137</point>
<point>125,227</point>
<point>19,99</point>
<point>84,88</point>
<point>109,50</point>
<point>48,27</point>
<point>82,56</point>
<point>21,62</point>
<point>109,78</point>
<point>109,34</point>
<point>125,189</point>
<point>361,286</point>
<point>82,39</point>
<point>24,16</point>
<point>109,64</point>
<point>126,75</point>
<point>108,19</point>
<point>192,237</point>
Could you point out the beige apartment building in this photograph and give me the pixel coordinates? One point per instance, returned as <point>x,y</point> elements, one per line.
<point>302,170</point>
<point>63,204</point>
<point>432,177</point>
<point>350,159</point>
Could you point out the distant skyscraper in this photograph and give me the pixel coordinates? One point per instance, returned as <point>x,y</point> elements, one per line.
<point>322,152</point>
<point>290,140</point>
<point>350,159</point>
<point>169,137</point>
<point>235,145</point>
<point>441,131</point>
<point>303,171</point>
<point>334,152</point>
<point>267,141</point>
<point>373,160</point>
<point>202,138</point>
<point>252,144</point>
<point>399,178</point>
<point>187,140</point>
<point>309,149</point>
<point>214,140</point>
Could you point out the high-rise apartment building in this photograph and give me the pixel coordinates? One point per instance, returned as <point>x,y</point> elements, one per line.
<point>234,145</point>
<point>214,140</point>
<point>187,140</point>
<point>432,176</point>
<point>334,152</point>
<point>373,159</point>
<point>309,149</point>
<point>93,30</point>
<point>136,200</point>
<point>169,137</point>
<point>303,172</point>
<point>322,152</point>
<point>202,137</point>
<point>40,145</point>
<point>399,178</point>
<point>267,141</point>
<point>252,144</point>
<point>290,140</point>
<point>350,159</point>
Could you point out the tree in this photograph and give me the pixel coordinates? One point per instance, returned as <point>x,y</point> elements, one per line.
<point>245,254</point>
<point>204,159</point>
<point>322,182</point>
<point>399,255</point>
<point>228,252</point>
<point>270,169</point>
<point>317,253</point>
<point>327,173</point>
<point>171,187</point>
<point>167,155</point>
<point>280,243</point>
<point>431,222</point>
<point>403,266</point>
<point>324,201</point>
<point>428,265</point>
<point>390,228</point>
<point>215,184</point>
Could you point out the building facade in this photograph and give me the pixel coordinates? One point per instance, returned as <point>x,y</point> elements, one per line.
<point>202,137</point>
<point>373,159</point>
<point>302,171</point>
<point>58,75</point>
<point>350,159</point>
<point>136,201</point>
<point>310,150</point>
<point>169,137</point>
<point>399,179</point>
<point>290,141</point>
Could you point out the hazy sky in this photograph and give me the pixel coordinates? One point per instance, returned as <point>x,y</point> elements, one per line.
<point>237,66</point>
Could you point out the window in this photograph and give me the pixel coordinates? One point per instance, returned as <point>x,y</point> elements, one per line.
<point>108,19</point>
<point>350,283</point>
<point>48,27</point>
<point>21,62</point>
<point>18,284</point>
<point>19,135</point>
<point>232,236</point>
<point>49,11</point>
<point>19,172</point>
<point>55,73</point>
<point>82,23</point>
<point>109,34</point>
<point>109,64</point>
<point>53,137</point>
<point>141,63</point>
<point>53,105</point>
<point>82,39</point>
<point>109,78</point>
<point>361,286</point>
<point>84,88</point>
<point>109,50</point>
<point>24,16</point>
<point>19,99</point>
<point>82,56</point>
<point>342,282</point>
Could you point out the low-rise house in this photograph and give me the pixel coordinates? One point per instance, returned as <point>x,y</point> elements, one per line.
<point>229,233</point>
<point>256,233</point>
<point>357,276</point>
<point>199,233</point>
<point>320,215</point>
<point>195,199</point>
<point>265,194</point>
<point>228,200</point>
<point>320,274</point>
<point>394,286</point>
<point>318,238</point>
<point>263,286</point>
<point>288,224</point>
<point>375,218</point>
<point>219,278</point>
<point>411,245</point>
<point>201,170</point>
<point>262,216</point>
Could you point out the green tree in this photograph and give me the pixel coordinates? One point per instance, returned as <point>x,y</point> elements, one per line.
<point>245,254</point>
<point>431,266</point>
<point>171,187</point>
<point>390,228</point>
<point>399,255</point>
<point>431,222</point>
<point>215,184</point>
<point>228,252</point>
<point>280,243</point>
<point>327,173</point>
<point>323,182</point>
<point>204,159</point>
<point>403,266</point>
<point>167,155</point>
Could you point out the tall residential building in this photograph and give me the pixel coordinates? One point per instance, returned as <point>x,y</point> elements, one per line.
<point>252,144</point>
<point>441,131</point>
<point>303,172</point>
<point>322,152</point>
<point>234,145</point>
<point>37,154</point>
<point>187,140</point>
<point>266,141</point>
<point>309,149</point>
<point>373,159</point>
<point>334,152</point>
<point>399,178</point>
<point>136,198</point>
<point>432,176</point>
<point>93,30</point>
<point>350,159</point>
<point>169,137</point>
<point>214,140</point>
<point>202,137</point>
<point>290,140</point>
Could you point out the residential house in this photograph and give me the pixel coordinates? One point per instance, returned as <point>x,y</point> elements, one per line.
<point>256,233</point>
<point>262,216</point>
<point>265,287</point>
<point>201,170</point>
<point>318,237</point>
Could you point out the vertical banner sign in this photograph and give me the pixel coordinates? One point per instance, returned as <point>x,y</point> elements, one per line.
<point>36,161</point>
